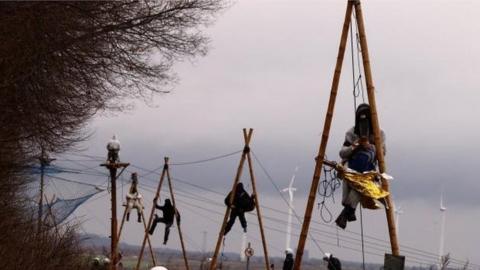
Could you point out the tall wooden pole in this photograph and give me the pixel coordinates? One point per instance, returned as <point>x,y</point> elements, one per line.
<point>376,126</point>
<point>257,206</point>
<point>150,219</point>
<point>172,196</point>
<point>247,138</point>
<point>323,144</point>
<point>114,233</point>
<point>112,167</point>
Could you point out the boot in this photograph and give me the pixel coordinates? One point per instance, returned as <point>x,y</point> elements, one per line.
<point>128,216</point>
<point>139,218</point>
<point>341,220</point>
<point>350,213</point>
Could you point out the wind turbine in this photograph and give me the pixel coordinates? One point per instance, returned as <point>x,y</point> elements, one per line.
<point>398,211</point>
<point>443,213</point>
<point>290,191</point>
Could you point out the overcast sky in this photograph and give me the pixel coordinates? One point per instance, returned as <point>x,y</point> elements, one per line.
<point>270,68</point>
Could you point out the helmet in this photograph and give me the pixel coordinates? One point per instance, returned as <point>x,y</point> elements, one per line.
<point>106,261</point>
<point>288,251</point>
<point>158,268</point>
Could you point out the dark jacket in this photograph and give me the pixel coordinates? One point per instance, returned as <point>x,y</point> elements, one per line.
<point>242,201</point>
<point>288,263</point>
<point>169,211</point>
<point>334,264</point>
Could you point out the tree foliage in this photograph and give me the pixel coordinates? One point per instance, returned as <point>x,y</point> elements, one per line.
<point>60,64</point>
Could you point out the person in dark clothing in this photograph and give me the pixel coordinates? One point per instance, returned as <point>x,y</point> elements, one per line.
<point>359,154</point>
<point>333,263</point>
<point>242,202</point>
<point>288,262</point>
<point>169,212</point>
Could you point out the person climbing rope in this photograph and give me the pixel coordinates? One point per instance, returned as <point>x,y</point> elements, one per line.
<point>242,202</point>
<point>333,263</point>
<point>169,212</point>
<point>288,262</point>
<point>113,147</point>
<point>134,199</point>
<point>359,152</point>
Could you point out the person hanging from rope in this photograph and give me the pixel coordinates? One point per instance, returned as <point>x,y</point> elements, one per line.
<point>333,263</point>
<point>359,152</point>
<point>134,199</point>
<point>242,202</point>
<point>169,212</point>
<point>113,147</point>
<point>288,262</point>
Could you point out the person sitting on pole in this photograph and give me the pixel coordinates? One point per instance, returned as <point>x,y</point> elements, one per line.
<point>333,263</point>
<point>134,199</point>
<point>169,212</point>
<point>113,148</point>
<point>359,152</point>
<point>242,203</point>
<point>288,262</point>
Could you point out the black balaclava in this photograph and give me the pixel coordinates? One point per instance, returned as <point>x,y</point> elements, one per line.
<point>239,189</point>
<point>363,122</point>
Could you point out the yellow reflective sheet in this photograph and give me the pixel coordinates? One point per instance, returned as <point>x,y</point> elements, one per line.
<point>365,184</point>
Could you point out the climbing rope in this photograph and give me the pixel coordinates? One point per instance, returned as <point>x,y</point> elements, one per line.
<point>328,185</point>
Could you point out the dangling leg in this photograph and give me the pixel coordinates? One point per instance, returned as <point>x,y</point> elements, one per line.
<point>243,221</point>
<point>129,208</point>
<point>154,224</point>
<point>350,200</point>
<point>231,221</point>
<point>353,199</point>
<point>167,232</point>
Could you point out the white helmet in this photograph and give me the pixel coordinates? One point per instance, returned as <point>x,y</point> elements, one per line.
<point>327,255</point>
<point>288,251</point>
<point>158,268</point>
<point>106,261</point>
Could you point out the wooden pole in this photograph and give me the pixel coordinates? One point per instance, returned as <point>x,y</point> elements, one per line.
<point>247,138</point>
<point>145,228</point>
<point>150,219</point>
<point>122,223</point>
<point>257,206</point>
<point>112,167</point>
<point>113,235</point>
<point>323,144</point>
<point>172,196</point>
<point>150,247</point>
<point>376,126</point>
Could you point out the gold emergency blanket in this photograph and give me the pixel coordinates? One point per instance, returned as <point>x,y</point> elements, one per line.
<point>365,184</point>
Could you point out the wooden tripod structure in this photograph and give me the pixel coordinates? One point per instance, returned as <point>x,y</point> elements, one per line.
<point>165,172</point>
<point>247,136</point>
<point>144,226</point>
<point>113,167</point>
<point>352,4</point>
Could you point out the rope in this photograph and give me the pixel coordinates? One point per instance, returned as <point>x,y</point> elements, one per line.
<point>285,200</point>
<point>205,160</point>
<point>363,245</point>
<point>327,189</point>
<point>154,171</point>
<point>356,94</point>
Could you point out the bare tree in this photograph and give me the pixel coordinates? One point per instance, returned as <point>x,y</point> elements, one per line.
<point>60,64</point>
